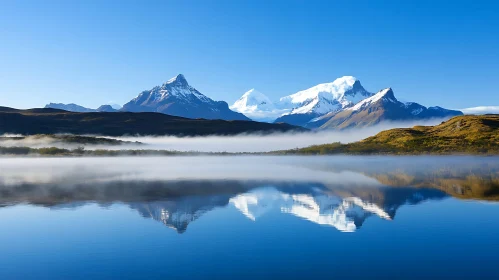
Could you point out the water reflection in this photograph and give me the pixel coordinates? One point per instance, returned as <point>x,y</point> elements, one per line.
<point>249,217</point>
<point>165,202</point>
<point>337,192</point>
<point>324,208</point>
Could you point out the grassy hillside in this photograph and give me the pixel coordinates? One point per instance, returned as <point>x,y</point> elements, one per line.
<point>461,134</point>
<point>54,121</point>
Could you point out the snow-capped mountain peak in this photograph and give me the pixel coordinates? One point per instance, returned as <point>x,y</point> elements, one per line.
<point>178,87</point>
<point>324,98</point>
<point>384,94</point>
<point>336,89</point>
<point>176,97</point>
<point>257,106</point>
<point>178,80</point>
<point>252,100</point>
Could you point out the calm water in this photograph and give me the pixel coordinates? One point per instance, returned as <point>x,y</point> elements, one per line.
<point>249,217</point>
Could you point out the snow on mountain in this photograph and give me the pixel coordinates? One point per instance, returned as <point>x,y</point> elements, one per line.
<point>257,106</point>
<point>381,107</point>
<point>324,98</point>
<point>176,97</point>
<point>415,108</point>
<point>385,94</point>
<point>252,100</point>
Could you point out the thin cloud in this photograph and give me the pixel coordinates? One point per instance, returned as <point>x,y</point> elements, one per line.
<point>480,110</point>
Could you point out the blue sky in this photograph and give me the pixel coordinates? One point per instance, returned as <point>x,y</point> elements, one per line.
<point>94,52</point>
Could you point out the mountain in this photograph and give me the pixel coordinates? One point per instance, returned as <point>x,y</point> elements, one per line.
<point>52,121</point>
<point>107,108</point>
<point>80,109</point>
<point>257,106</point>
<point>177,98</point>
<point>69,107</point>
<point>383,106</point>
<point>321,99</point>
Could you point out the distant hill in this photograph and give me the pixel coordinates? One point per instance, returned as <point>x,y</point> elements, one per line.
<point>461,134</point>
<point>107,108</point>
<point>52,121</point>
<point>77,108</point>
<point>70,107</point>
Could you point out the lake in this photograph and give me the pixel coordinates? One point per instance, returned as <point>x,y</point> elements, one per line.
<point>247,217</point>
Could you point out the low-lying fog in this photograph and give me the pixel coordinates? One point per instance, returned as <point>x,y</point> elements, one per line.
<point>97,170</point>
<point>240,143</point>
<point>349,170</point>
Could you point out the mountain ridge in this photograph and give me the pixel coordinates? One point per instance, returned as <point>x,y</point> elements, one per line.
<point>304,105</point>
<point>177,98</point>
<point>72,107</point>
<point>382,106</point>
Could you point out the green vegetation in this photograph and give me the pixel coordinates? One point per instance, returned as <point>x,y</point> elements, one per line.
<point>459,135</point>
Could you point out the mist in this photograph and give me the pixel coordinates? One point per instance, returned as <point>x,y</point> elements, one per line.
<point>52,181</point>
<point>349,169</point>
<point>244,143</point>
<point>266,143</point>
<point>94,170</point>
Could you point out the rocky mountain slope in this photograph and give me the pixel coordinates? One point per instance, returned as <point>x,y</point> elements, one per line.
<point>383,106</point>
<point>321,99</point>
<point>177,98</point>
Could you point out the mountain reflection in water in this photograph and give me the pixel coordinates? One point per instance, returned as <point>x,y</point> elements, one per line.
<point>338,192</point>
<point>318,205</point>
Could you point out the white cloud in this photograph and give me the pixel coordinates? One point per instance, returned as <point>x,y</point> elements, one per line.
<point>480,110</point>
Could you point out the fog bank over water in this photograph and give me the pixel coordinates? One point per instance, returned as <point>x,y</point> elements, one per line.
<point>349,170</point>
<point>98,170</point>
<point>266,143</point>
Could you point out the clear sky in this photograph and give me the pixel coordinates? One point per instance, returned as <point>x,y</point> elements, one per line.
<point>95,52</point>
